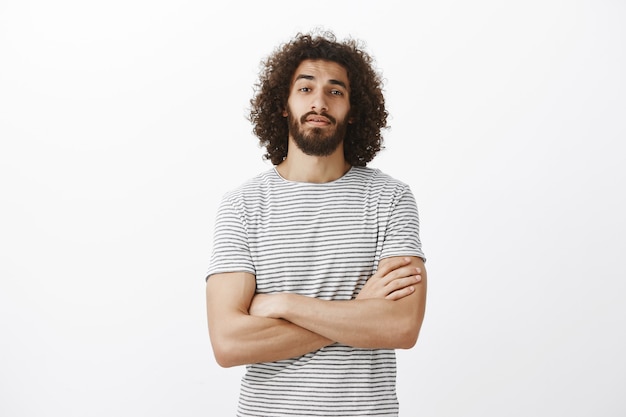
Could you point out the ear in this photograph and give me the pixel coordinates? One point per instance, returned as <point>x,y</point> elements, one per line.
<point>285,114</point>
<point>350,120</point>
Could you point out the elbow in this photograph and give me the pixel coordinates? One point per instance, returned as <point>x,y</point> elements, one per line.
<point>223,359</point>
<point>407,335</point>
<point>408,330</point>
<point>226,359</point>
<point>225,354</point>
<point>408,340</point>
<point>225,362</point>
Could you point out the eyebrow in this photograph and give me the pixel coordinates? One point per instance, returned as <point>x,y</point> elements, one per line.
<point>331,81</point>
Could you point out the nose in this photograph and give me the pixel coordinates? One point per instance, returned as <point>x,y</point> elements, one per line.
<point>318,102</point>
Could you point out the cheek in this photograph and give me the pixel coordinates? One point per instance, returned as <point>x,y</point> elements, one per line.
<point>293,107</point>
<point>347,114</point>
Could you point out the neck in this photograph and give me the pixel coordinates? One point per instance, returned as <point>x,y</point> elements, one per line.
<point>299,167</point>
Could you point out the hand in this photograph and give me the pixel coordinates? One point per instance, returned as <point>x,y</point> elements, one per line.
<point>392,281</point>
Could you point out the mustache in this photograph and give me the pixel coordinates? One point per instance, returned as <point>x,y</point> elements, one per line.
<point>324,114</point>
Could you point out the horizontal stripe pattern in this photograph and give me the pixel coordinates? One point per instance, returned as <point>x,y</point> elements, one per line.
<point>324,241</point>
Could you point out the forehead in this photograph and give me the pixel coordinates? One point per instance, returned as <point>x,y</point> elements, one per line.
<point>321,70</point>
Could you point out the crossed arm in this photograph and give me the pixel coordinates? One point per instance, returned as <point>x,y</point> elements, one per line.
<point>246,328</point>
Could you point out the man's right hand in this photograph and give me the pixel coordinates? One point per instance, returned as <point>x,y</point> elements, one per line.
<point>393,280</point>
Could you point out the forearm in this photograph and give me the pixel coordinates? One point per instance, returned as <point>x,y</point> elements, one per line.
<point>239,338</point>
<point>247,339</point>
<point>387,313</point>
<point>370,323</point>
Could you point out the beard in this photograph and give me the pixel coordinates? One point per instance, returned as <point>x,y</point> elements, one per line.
<point>316,141</point>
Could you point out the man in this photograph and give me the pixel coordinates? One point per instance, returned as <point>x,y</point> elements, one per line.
<point>317,271</point>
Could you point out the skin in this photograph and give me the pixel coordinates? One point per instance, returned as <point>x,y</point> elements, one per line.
<point>317,87</point>
<point>247,328</point>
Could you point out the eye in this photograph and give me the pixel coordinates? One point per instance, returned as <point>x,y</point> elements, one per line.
<point>336,92</point>
<point>304,89</point>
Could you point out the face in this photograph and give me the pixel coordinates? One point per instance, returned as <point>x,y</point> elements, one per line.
<point>318,107</point>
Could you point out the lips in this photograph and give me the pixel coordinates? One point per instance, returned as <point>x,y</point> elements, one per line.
<point>318,119</point>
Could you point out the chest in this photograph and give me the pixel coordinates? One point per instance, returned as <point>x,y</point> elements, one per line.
<point>321,246</point>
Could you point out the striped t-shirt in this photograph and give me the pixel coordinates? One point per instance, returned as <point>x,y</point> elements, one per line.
<point>319,240</point>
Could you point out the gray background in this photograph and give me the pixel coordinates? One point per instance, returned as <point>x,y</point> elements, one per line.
<point>123,122</point>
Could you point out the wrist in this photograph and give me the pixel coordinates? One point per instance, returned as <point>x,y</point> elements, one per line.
<point>283,306</point>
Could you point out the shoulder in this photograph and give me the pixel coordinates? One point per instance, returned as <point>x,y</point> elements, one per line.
<point>251,188</point>
<point>374,177</point>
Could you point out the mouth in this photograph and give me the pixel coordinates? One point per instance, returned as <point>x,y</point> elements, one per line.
<point>317,120</point>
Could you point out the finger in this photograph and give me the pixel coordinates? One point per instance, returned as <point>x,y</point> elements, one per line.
<point>401,293</point>
<point>391,266</point>
<point>403,272</point>
<point>399,283</point>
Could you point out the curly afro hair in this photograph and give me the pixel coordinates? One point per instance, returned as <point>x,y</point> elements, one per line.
<point>367,104</point>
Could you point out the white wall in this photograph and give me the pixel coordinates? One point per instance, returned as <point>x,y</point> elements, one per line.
<point>123,122</point>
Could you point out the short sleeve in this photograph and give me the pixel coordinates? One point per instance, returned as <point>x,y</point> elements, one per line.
<point>402,234</point>
<point>230,250</point>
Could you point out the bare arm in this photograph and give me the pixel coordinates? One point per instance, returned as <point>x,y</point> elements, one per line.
<point>363,322</point>
<point>238,338</point>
